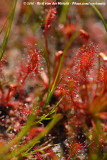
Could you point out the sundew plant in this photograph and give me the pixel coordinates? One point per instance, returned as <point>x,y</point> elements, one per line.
<point>53,80</point>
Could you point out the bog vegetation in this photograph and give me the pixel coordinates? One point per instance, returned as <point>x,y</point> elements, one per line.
<point>53,82</point>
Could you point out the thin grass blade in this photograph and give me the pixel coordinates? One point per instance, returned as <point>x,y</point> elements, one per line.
<point>7,32</point>
<point>101,17</point>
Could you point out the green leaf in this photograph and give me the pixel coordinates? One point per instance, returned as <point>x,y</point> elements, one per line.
<point>7,32</point>
<point>4,23</point>
<point>101,17</point>
<point>17,152</point>
<point>73,37</point>
<point>64,12</point>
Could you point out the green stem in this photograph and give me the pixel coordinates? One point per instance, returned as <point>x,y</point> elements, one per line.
<point>50,113</point>
<point>74,36</point>
<point>101,17</point>
<point>64,12</point>
<point>22,133</point>
<point>26,128</point>
<point>56,119</point>
<point>7,32</point>
<point>5,22</point>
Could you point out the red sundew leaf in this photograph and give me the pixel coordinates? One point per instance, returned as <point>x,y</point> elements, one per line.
<point>11,91</point>
<point>102,115</point>
<point>31,64</point>
<point>58,55</point>
<point>102,142</point>
<point>84,34</point>
<point>103,75</point>
<point>74,147</point>
<point>34,131</point>
<point>50,17</point>
<point>68,30</point>
<point>17,126</point>
<point>31,40</point>
<point>19,107</point>
<point>22,72</point>
<point>34,60</point>
<point>57,59</point>
<point>85,62</point>
<point>68,87</point>
<point>1,64</point>
<point>105,128</point>
<point>82,66</point>
<point>69,83</point>
<point>52,154</point>
<point>103,56</point>
<point>38,156</point>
